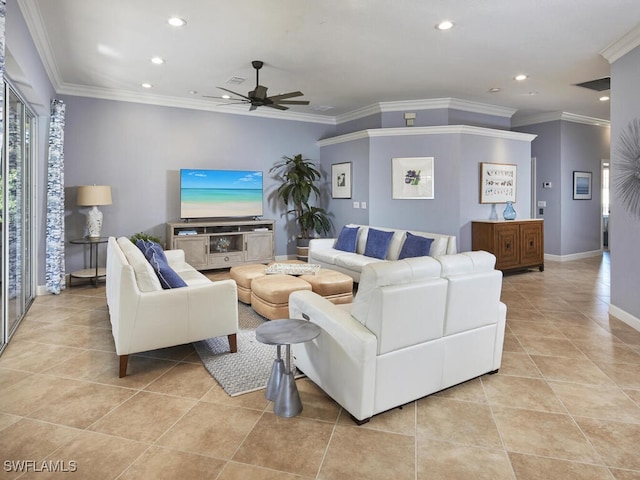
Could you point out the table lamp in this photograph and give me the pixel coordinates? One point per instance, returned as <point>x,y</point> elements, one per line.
<point>92,196</point>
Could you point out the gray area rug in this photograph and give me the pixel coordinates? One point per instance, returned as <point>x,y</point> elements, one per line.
<point>249,368</point>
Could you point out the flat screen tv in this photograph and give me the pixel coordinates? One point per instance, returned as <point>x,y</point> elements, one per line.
<point>220,193</point>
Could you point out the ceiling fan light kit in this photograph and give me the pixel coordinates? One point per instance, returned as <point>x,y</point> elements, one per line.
<point>258,96</point>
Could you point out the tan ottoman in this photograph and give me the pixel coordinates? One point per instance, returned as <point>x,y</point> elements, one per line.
<point>270,294</point>
<point>244,276</point>
<point>334,286</point>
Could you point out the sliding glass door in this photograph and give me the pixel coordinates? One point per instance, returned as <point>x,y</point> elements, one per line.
<point>17,212</point>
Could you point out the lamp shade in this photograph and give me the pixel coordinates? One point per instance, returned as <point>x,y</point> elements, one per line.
<point>91,195</point>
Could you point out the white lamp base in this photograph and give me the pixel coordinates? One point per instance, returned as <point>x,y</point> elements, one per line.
<point>94,222</point>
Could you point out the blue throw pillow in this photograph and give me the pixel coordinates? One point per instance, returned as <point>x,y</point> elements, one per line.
<point>415,246</point>
<point>347,239</point>
<point>377,243</point>
<point>149,247</point>
<point>158,260</point>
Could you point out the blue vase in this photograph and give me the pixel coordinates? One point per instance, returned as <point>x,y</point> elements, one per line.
<point>509,212</point>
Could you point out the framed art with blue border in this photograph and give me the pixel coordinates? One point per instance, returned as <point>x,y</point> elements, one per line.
<point>582,185</point>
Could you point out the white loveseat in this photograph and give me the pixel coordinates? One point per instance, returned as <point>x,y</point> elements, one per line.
<point>415,327</point>
<point>322,251</point>
<point>145,317</point>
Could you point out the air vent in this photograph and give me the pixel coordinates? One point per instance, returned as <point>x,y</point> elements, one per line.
<point>598,85</point>
<point>320,108</point>
<point>236,80</point>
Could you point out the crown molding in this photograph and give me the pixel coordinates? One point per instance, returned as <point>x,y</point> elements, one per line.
<point>622,46</point>
<point>426,104</point>
<point>437,130</point>
<point>555,116</point>
<point>193,104</point>
<point>33,19</point>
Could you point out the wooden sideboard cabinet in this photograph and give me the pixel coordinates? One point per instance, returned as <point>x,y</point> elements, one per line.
<point>517,244</point>
<point>223,244</point>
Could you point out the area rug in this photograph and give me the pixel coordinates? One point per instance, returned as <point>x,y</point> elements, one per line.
<point>249,368</point>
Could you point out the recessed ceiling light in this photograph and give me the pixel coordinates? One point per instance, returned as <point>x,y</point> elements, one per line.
<point>494,89</point>
<point>445,25</point>
<point>146,85</point>
<point>520,77</point>
<point>535,92</point>
<point>193,92</point>
<point>177,22</point>
<point>226,97</point>
<point>605,98</point>
<point>157,60</point>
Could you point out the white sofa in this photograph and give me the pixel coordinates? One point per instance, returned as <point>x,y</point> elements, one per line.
<point>415,327</point>
<point>322,251</point>
<point>145,317</point>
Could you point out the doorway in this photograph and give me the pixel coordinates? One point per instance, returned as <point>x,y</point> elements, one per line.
<point>605,204</point>
<point>17,238</point>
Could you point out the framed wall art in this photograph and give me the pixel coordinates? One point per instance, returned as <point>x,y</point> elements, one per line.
<point>582,185</point>
<point>412,178</point>
<point>497,182</point>
<point>341,180</point>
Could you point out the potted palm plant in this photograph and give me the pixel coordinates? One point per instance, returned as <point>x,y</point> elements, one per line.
<point>299,178</point>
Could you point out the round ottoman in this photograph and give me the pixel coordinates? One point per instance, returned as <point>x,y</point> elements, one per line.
<point>270,294</point>
<point>334,286</point>
<point>244,276</point>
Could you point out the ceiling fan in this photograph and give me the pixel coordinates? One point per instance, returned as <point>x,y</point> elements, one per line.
<point>258,96</point>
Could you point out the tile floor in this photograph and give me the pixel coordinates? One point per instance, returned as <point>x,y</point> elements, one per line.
<point>565,404</point>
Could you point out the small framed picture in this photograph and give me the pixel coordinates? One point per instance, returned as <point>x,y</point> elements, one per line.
<point>582,185</point>
<point>341,180</point>
<point>412,178</point>
<point>498,182</point>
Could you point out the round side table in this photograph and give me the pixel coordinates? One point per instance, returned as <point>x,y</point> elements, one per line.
<point>94,272</point>
<point>281,388</point>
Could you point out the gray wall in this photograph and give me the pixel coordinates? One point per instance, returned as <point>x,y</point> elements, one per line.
<point>457,159</point>
<point>139,149</point>
<point>562,147</point>
<point>546,148</point>
<point>624,226</point>
<point>583,148</point>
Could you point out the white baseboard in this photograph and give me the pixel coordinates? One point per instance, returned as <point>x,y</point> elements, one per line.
<point>625,317</point>
<point>573,256</point>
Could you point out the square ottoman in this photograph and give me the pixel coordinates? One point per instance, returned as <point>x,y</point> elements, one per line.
<point>270,294</point>
<point>332,285</point>
<point>244,276</point>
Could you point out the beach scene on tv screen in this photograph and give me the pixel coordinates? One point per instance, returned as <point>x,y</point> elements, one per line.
<point>220,193</point>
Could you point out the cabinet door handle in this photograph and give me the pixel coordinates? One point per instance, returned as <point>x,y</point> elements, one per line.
<point>531,243</point>
<point>508,245</point>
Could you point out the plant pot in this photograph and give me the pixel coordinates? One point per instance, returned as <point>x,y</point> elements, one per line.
<point>302,249</point>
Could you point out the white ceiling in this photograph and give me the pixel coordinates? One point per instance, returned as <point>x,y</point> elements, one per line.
<point>345,54</point>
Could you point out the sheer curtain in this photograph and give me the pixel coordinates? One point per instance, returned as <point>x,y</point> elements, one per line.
<point>54,269</point>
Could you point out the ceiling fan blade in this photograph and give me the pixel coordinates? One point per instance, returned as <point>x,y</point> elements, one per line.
<point>230,99</point>
<point>252,107</point>
<point>275,105</point>
<point>286,95</point>
<point>291,102</point>
<point>235,93</point>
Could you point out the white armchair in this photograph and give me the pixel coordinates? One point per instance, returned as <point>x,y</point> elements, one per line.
<point>416,326</point>
<point>145,317</point>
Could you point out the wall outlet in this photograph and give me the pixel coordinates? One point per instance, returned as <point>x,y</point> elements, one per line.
<point>542,204</point>
<point>363,204</point>
<point>546,185</point>
<point>356,204</point>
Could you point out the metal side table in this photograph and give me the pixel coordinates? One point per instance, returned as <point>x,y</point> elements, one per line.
<point>281,388</point>
<point>94,272</point>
